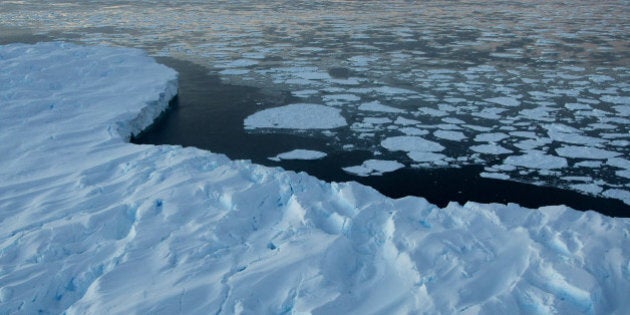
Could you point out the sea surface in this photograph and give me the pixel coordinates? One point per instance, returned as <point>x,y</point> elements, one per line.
<point>513,101</point>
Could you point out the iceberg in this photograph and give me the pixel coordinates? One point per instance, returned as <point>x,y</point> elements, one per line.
<point>91,223</point>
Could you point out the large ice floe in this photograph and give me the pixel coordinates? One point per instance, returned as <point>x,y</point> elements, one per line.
<point>91,224</point>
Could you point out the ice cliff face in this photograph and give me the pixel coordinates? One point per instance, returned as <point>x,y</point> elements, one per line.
<point>92,224</point>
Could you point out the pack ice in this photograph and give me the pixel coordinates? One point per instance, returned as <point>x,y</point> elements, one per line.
<point>91,224</point>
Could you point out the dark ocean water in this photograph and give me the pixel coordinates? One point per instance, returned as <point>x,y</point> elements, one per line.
<point>493,82</point>
<point>209,115</point>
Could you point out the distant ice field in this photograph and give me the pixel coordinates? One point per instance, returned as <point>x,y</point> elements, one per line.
<point>537,93</point>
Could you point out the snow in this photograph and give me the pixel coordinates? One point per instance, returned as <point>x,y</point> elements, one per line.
<point>299,154</point>
<point>297,116</point>
<point>94,224</point>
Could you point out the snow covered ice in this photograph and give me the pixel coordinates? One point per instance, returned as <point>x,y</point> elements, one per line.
<point>92,224</point>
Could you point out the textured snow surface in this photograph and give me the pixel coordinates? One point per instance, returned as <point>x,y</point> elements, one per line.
<point>91,224</point>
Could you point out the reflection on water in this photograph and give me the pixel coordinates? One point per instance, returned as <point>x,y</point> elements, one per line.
<point>532,92</point>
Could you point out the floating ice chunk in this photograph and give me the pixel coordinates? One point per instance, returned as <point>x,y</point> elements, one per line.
<point>388,90</point>
<point>492,113</point>
<point>304,93</point>
<point>234,72</point>
<point>623,110</point>
<point>504,100</point>
<point>432,112</point>
<point>599,78</point>
<point>616,99</point>
<point>491,137</point>
<point>299,154</point>
<point>412,131</point>
<point>494,175</point>
<point>589,164</point>
<point>623,195</point>
<point>455,100</point>
<point>524,134</point>
<point>537,160</point>
<point>348,81</point>
<point>623,173</point>
<point>377,120</point>
<point>573,68</point>
<point>589,188</point>
<point>532,143</point>
<point>239,63</point>
<point>619,162</point>
<point>406,121</point>
<point>478,128</point>
<point>453,120</point>
<point>490,149</point>
<point>580,152</point>
<point>362,61</point>
<point>577,106</point>
<point>374,167</point>
<point>572,137</point>
<point>538,113</point>
<point>376,106</point>
<point>340,99</point>
<point>411,143</point>
<point>297,116</point>
<point>435,158</point>
<point>450,135</point>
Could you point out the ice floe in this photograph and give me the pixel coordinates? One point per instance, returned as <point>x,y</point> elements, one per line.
<point>536,160</point>
<point>374,167</point>
<point>297,116</point>
<point>299,154</point>
<point>376,106</point>
<point>411,143</point>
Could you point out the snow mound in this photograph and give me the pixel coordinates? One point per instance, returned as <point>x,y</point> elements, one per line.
<point>297,116</point>
<point>93,224</point>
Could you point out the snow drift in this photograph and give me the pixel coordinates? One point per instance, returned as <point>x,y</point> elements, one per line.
<point>92,224</point>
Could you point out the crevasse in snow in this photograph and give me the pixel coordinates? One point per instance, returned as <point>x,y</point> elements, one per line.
<point>92,224</point>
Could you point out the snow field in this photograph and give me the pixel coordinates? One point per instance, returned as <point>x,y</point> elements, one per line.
<point>93,224</point>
